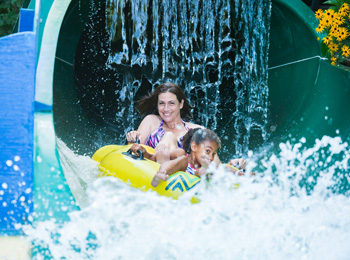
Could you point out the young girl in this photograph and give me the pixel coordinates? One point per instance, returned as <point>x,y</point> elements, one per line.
<point>199,149</point>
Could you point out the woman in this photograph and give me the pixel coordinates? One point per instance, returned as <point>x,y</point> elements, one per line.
<point>167,112</point>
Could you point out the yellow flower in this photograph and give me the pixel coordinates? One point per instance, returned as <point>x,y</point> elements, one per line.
<point>329,12</point>
<point>339,38</point>
<point>336,27</point>
<point>325,22</point>
<point>334,31</point>
<point>333,59</point>
<point>343,33</point>
<point>319,14</point>
<point>333,16</point>
<point>327,39</point>
<point>341,13</point>
<point>333,47</point>
<point>338,20</point>
<point>320,28</point>
<point>345,8</point>
<point>346,51</point>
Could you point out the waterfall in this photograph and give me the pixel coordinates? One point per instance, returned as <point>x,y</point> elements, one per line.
<point>217,50</point>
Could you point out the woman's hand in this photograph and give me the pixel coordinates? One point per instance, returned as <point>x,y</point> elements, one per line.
<point>239,163</point>
<point>135,147</point>
<point>132,136</point>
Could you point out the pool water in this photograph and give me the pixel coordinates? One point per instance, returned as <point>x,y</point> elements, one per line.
<point>295,207</point>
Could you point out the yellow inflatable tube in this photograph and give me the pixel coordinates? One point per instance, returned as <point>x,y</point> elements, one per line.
<point>117,161</point>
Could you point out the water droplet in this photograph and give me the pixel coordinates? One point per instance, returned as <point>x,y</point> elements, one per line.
<point>9,163</point>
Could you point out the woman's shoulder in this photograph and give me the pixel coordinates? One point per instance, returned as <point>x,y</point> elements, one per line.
<point>193,125</point>
<point>148,125</point>
<point>153,119</point>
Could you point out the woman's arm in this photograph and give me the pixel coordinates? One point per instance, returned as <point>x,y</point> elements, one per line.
<point>135,147</point>
<point>239,163</point>
<point>147,126</point>
<point>172,166</point>
<point>178,152</point>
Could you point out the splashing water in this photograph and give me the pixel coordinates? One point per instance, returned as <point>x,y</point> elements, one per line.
<point>293,208</point>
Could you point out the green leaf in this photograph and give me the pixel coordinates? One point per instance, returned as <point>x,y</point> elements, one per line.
<point>324,49</point>
<point>341,59</point>
<point>337,3</point>
<point>333,2</point>
<point>8,15</point>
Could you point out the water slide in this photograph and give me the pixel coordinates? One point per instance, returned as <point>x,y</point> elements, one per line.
<point>300,104</point>
<point>307,98</point>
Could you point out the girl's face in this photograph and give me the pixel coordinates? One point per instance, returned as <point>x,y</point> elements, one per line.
<point>169,107</point>
<point>203,153</point>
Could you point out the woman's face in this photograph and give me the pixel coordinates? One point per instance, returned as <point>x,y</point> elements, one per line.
<point>169,107</point>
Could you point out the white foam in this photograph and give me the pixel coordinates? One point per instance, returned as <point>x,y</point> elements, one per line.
<point>284,212</point>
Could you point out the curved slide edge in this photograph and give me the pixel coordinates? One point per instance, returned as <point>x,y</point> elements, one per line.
<point>53,198</point>
<point>308,96</point>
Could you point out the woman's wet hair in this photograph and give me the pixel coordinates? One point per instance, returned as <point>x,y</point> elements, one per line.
<point>199,135</point>
<point>149,103</point>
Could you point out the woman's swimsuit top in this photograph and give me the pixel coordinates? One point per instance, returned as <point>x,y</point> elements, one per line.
<point>157,134</point>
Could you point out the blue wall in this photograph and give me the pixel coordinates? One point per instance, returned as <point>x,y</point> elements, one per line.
<point>17,85</point>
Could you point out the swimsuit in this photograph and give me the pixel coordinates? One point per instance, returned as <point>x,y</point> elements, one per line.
<point>157,134</point>
<point>190,169</point>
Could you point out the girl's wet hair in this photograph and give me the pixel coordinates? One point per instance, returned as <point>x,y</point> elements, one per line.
<point>149,104</point>
<point>199,135</point>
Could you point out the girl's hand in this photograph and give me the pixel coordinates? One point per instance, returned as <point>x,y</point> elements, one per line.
<point>132,135</point>
<point>204,161</point>
<point>201,171</point>
<point>239,163</point>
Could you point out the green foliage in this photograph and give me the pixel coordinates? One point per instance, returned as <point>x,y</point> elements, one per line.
<point>324,49</point>
<point>336,2</point>
<point>334,27</point>
<point>9,10</point>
